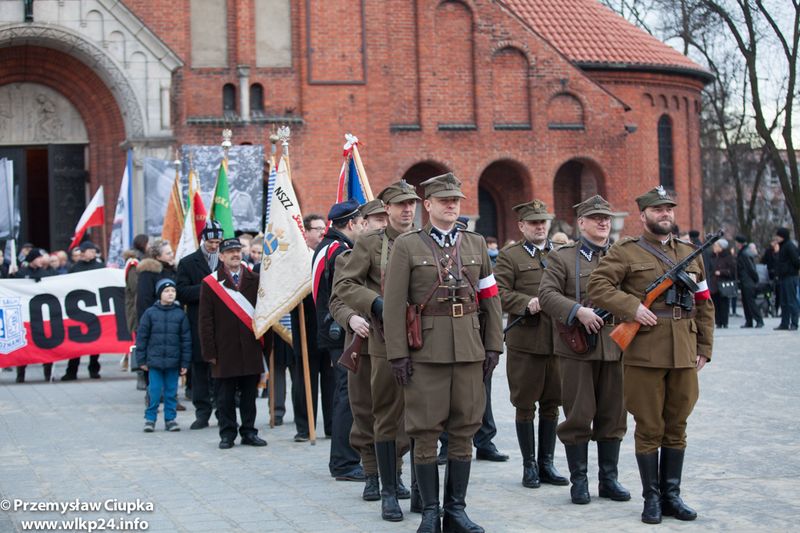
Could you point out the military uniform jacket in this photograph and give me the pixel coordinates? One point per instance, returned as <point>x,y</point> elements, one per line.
<point>557,298</point>
<point>361,279</point>
<point>518,278</point>
<point>410,274</point>
<point>618,285</point>
<point>340,311</point>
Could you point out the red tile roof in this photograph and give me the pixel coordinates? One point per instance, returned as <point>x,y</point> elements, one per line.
<point>592,35</point>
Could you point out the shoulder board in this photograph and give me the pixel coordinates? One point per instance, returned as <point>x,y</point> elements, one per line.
<point>568,245</point>
<point>509,246</point>
<point>686,243</point>
<point>373,233</point>
<point>626,240</point>
<point>345,253</point>
<point>408,233</point>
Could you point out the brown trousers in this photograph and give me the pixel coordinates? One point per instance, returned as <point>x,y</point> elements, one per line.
<point>592,394</point>
<point>534,378</point>
<point>388,405</point>
<point>442,397</point>
<point>660,400</point>
<point>361,436</point>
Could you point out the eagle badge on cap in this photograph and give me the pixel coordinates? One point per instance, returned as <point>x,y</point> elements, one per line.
<point>538,204</point>
<point>661,192</point>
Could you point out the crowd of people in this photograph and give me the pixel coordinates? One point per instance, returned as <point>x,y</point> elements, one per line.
<point>404,329</point>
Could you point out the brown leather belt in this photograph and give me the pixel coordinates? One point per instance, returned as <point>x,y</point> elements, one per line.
<point>611,321</point>
<point>450,309</point>
<point>675,313</point>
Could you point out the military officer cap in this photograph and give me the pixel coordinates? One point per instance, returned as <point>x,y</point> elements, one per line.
<point>397,192</point>
<point>654,197</point>
<point>535,210</point>
<point>230,244</point>
<point>596,205</point>
<point>373,207</point>
<point>444,186</point>
<point>343,211</point>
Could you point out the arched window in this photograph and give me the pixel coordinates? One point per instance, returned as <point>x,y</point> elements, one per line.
<point>229,99</point>
<point>257,99</point>
<point>666,169</point>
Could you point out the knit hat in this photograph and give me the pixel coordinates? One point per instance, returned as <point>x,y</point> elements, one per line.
<point>163,284</point>
<point>723,243</point>
<point>212,230</point>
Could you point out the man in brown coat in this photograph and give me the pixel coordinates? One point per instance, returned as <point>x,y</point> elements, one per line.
<point>662,361</point>
<point>228,343</point>
<point>532,369</point>
<point>362,289</point>
<point>591,380</point>
<point>447,275</point>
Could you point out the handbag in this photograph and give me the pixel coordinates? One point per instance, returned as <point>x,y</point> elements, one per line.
<point>727,288</point>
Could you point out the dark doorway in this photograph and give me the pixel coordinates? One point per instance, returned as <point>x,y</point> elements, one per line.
<point>575,181</point>
<point>487,221</point>
<point>51,184</point>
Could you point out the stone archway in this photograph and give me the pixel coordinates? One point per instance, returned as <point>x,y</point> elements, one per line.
<point>502,185</point>
<point>575,180</point>
<point>415,175</point>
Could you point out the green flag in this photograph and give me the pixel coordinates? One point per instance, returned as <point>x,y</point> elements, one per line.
<point>221,205</point>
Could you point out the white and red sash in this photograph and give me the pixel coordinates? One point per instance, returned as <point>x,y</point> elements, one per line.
<point>233,300</point>
<point>318,267</point>
<point>487,288</point>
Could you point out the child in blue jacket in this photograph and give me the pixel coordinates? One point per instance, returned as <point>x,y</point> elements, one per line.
<point>164,348</point>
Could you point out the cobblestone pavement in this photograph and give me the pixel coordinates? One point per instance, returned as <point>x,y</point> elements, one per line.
<point>83,440</point>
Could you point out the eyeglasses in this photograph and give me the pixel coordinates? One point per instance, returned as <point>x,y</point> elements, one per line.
<point>318,228</point>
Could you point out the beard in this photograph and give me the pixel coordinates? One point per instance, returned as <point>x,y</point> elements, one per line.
<point>654,227</point>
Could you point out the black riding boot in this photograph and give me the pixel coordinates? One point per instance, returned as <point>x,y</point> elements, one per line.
<point>372,489</point>
<point>547,447</point>
<point>456,480</point>
<point>607,460</point>
<point>577,459</point>
<point>648,471</point>
<point>530,471</point>
<point>386,453</point>
<point>671,502</point>
<point>427,476</point>
<point>416,500</point>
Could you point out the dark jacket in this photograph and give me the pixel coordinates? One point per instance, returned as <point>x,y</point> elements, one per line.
<point>224,337</point>
<point>163,339</point>
<point>191,271</point>
<point>36,274</point>
<point>746,269</point>
<point>788,260</point>
<point>726,265</point>
<point>83,266</point>
<point>132,258</point>
<point>150,271</point>
<point>337,242</point>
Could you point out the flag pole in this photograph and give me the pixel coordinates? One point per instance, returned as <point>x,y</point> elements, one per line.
<point>103,231</point>
<point>273,150</point>
<point>283,134</point>
<point>362,173</point>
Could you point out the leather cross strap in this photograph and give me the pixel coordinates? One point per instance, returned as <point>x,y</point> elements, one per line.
<point>654,251</point>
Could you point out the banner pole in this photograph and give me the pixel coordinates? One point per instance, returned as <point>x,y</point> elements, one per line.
<point>312,424</point>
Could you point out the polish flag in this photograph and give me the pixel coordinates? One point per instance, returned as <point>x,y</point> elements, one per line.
<point>93,216</point>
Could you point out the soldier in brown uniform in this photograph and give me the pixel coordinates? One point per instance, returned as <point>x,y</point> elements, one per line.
<point>591,381</point>
<point>662,361</point>
<point>362,289</point>
<point>532,369</point>
<point>447,275</point>
<point>358,390</point>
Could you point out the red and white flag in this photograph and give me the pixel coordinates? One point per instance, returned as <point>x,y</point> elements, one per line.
<point>93,216</point>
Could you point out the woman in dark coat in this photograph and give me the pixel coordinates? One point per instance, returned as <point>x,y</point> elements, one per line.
<point>723,268</point>
<point>159,264</point>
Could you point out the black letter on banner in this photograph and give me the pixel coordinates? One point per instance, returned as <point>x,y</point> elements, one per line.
<point>38,335</point>
<point>79,315</point>
<point>117,295</point>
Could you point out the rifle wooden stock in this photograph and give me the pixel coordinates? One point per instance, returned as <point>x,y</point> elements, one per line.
<point>624,333</point>
<point>351,354</point>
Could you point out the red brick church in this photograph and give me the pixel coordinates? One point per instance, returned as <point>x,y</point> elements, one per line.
<point>554,99</point>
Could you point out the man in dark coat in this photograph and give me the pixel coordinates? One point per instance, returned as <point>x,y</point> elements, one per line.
<point>89,261</point>
<point>346,225</point>
<point>228,343</point>
<point>748,280</point>
<point>191,271</point>
<point>786,266</point>
<point>36,267</point>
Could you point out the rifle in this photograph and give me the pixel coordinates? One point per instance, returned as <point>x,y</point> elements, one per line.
<point>514,322</point>
<point>350,355</point>
<point>624,333</point>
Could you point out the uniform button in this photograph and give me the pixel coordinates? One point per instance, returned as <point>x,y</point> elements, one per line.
<point>424,262</point>
<point>447,255</point>
<point>473,261</point>
<point>450,276</point>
